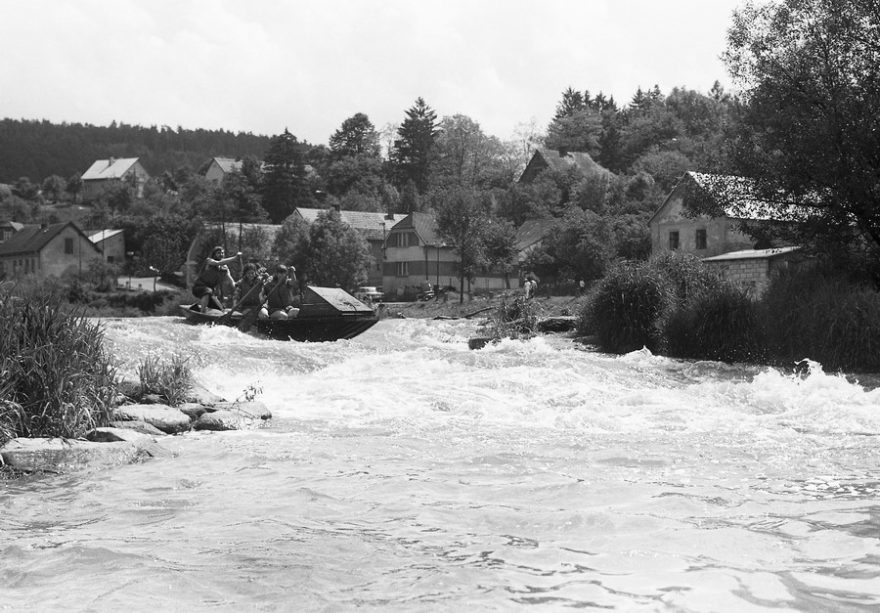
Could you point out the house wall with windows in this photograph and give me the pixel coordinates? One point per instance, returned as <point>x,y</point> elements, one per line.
<point>674,230</point>
<point>415,256</point>
<point>112,245</point>
<point>47,251</point>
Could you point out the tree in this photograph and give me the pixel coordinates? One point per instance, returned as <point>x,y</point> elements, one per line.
<point>467,157</point>
<point>284,185</point>
<point>411,155</point>
<point>53,188</point>
<point>356,136</point>
<point>810,74</point>
<point>460,221</point>
<point>329,252</point>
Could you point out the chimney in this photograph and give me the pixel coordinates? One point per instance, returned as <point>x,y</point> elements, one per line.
<point>43,226</point>
<point>336,207</point>
<point>389,216</point>
<point>563,151</point>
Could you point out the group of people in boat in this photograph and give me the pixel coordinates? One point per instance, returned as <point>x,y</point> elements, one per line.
<point>256,293</point>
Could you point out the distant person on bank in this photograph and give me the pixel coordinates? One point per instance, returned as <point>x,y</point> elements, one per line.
<point>215,273</point>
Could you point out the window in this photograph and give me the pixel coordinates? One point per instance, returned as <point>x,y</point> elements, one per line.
<point>701,238</point>
<point>673,240</point>
<point>402,269</point>
<point>68,245</point>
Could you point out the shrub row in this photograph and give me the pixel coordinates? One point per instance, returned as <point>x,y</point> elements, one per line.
<point>675,306</point>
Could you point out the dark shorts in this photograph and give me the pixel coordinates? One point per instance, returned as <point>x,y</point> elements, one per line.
<point>200,290</point>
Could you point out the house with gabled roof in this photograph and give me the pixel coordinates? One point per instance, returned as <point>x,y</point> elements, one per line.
<point>47,250</point>
<point>721,239</point>
<point>113,171</point>
<point>416,255</point>
<point>560,160</point>
<point>218,167</point>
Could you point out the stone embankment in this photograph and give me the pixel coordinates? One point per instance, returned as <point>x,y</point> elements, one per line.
<point>134,435</point>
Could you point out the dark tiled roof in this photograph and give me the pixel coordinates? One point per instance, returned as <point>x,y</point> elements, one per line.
<point>368,223</point>
<point>31,239</point>
<point>533,231</point>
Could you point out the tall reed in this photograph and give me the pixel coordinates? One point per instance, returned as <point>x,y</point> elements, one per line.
<point>56,378</point>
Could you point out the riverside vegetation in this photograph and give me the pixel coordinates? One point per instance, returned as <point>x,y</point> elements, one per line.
<point>56,379</point>
<point>675,306</point>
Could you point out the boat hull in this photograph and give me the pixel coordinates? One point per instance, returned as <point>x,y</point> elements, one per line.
<point>313,329</point>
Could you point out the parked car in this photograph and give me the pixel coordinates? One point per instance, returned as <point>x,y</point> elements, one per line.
<point>368,294</point>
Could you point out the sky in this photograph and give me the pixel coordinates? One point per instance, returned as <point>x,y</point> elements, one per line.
<point>262,66</point>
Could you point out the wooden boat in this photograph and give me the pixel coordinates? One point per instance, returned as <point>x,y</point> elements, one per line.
<point>326,314</point>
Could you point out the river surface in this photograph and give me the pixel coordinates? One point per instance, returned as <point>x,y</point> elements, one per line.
<point>404,472</point>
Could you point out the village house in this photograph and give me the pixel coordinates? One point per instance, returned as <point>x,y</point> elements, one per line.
<point>416,256</point>
<point>47,250</point>
<point>562,161</point>
<point>218,167</point>
<point>111,243</point>
<point>720,240</point>
<point>113,171</point>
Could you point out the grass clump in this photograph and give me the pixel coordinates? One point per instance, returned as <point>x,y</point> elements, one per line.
<point>624,308</point>
<point>819,314</point>
<point>55,378</point>
<point>719,323</point>
<point>172,380</point>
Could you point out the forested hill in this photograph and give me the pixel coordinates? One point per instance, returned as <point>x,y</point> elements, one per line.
<point>38,149</point>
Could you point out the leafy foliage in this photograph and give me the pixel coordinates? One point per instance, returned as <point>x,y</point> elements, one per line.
<point>328,252</point>
<point>810,70</point>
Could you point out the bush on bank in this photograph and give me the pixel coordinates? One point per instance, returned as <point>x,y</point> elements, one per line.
<point>673,305</point>
<point>55,378</point>
<point>821,315</point>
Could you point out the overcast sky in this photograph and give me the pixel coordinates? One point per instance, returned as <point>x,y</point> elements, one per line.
<point>264,65</point>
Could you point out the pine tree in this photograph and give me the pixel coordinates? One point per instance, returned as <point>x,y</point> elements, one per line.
<point>284,186</point>
<point>411,157</point>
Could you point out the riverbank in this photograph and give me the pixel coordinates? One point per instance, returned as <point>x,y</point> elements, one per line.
<point>480,306</point>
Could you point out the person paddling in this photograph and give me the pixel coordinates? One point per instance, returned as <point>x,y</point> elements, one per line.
<point>281,296</point>
<point>215,272</point>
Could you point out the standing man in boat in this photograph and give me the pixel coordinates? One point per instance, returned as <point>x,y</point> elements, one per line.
<point>216,271</point>
<point>282,294</point>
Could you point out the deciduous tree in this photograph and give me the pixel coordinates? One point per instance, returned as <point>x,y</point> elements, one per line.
<point>810,73</point>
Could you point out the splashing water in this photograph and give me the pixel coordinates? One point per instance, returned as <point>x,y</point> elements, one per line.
<point>402,472</point>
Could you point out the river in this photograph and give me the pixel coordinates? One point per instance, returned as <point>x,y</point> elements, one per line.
<point>404,472</point>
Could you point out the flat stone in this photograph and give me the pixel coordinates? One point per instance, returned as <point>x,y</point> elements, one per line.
<point>138,426</point>
<point>58,455</point>
<point>193,409</point>
<point>253,409</point>
<point>202,395</point>
<point>226,420</point>
<point>163,417</point>
<point>146,443</point>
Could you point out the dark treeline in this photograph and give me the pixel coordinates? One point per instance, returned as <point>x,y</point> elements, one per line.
<point>38,148</point>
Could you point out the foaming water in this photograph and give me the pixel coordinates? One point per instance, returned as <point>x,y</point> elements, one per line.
<point>402,471</point>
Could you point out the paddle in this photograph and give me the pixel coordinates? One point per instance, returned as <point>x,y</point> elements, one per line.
<point>228,314</point>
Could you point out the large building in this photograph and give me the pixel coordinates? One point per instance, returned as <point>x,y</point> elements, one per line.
<point>113,171</point>
<point>720,240</point>
<point>47,250</point>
